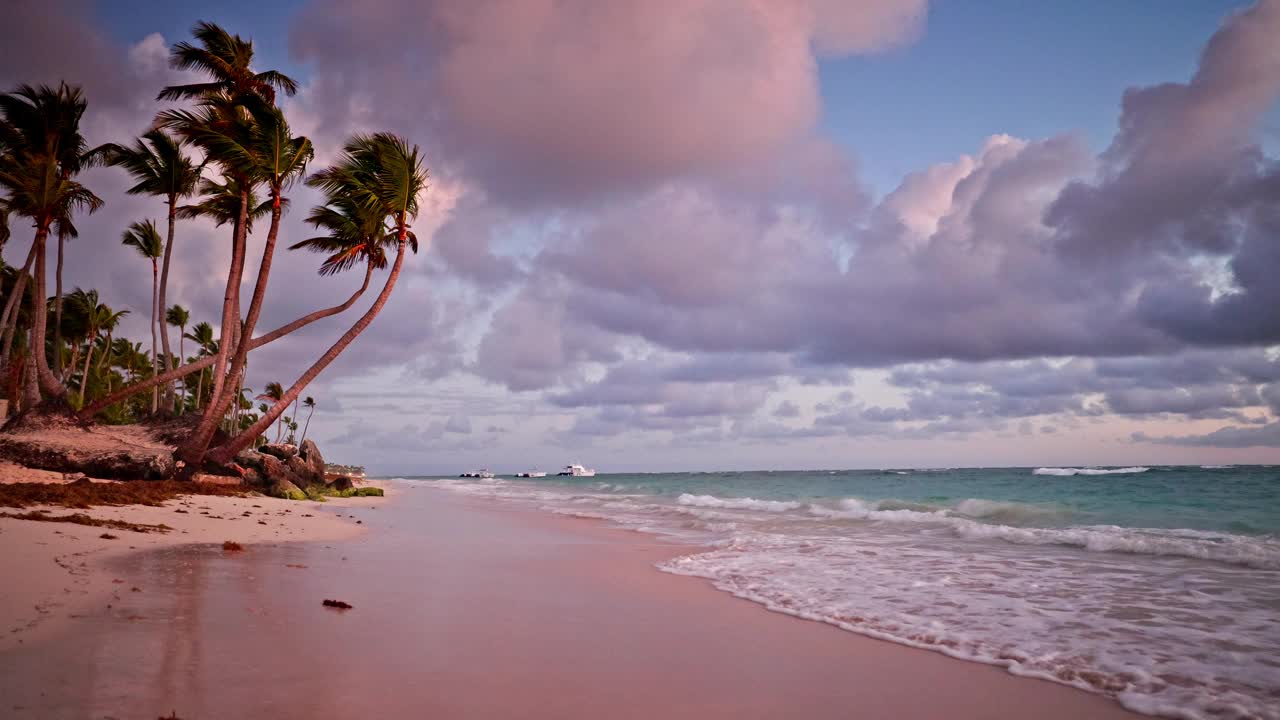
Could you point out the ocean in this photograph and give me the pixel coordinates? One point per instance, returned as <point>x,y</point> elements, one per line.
<point>1159,586</point>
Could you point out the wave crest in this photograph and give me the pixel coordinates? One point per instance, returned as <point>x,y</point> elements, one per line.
<point>747,503</point>
<point>1064,472</point>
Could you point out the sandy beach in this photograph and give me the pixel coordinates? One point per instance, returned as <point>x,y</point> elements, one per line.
<point>462,608</point>
<point>57,572</point>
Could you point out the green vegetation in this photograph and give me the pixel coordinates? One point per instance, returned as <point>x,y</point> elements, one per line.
<point>82,519</point>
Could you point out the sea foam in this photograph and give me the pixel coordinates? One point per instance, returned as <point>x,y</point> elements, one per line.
<point>1088,471</point>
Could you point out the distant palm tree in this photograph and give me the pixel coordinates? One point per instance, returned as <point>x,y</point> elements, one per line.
<point>310,404</point>
<point>381,172</point>
<point>274,391</point>
<point>178,317</point>
<point>143,237</point>
<point>44,151</point>
<point>202,335</point>
<point>96,317</point>
<point>160,167</point>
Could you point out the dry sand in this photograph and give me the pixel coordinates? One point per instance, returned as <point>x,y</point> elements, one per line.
<point>51,571</point>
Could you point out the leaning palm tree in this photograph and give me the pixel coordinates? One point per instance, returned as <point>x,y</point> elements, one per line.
<point>310,404</point>
<point>40,129</point>
<point>178,317</point>
<point>270,153</point>
<point>160,168</point>
<point>143,237</point>
<point>382,172</point>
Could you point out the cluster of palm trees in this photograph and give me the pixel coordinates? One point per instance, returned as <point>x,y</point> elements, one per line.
<point>226,153</point>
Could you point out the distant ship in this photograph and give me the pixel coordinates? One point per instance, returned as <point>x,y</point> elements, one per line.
<point>577,471</point>
<point>477,474</point>
<point>531,474</point>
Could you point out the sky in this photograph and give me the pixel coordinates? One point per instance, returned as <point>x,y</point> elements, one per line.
<point>719,234</point>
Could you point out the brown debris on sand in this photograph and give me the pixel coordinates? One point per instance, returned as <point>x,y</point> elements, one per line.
<point>231,546</point>
<point>338,604</point>
<point>83,494</point>
<point>82,519</point>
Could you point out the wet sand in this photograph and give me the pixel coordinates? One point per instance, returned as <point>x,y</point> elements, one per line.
<point>468,609</point>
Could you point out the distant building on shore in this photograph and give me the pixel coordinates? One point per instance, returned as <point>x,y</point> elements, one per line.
<point>332,470</point>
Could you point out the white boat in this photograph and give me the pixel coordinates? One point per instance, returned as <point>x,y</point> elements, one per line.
<point>578,471</point>
<point>484,474</point>
<point>531,474</point>
<point>477,474</point>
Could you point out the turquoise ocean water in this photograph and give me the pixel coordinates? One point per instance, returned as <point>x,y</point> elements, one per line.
<point>1159,586</point>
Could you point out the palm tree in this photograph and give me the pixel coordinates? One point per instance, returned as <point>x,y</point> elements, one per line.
<point>225,58</point>
<point>382,172</point>
<point>202,335</point>
<point>40,129</point>
<point>178,317</point>
<point>310,404</point>
<point>143,237</point>
<point>96,317</point>
<point>160,167</point>
<point>273,392</point>
<point>273,155</point>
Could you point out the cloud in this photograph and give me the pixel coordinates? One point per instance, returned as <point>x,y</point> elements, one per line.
<point>1228,437</point>
<point>570,99</point>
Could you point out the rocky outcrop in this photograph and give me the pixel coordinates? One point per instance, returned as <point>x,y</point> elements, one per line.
<point>310,452</point>
<point>340,483</point>
<point>274,463</point>
<point>107,454</point>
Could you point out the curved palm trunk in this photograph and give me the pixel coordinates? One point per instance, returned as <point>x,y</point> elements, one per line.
<point>193,450</point>
<point>307,426</point>
<point>88,363</point>
<point>155,356</point>
<point>199,389</point>
<point>49,384</point>
<point>57,311</point>
<point>208,360</point>
<point>225,453</point>
<point>199,442</point>
<point>169,389</point>
<point>10,317</point>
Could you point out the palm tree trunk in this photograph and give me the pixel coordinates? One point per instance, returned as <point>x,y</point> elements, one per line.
<point>57,311</point>
<point>30,385</point>
<point>155,355</point>
<point>224,453</point>
<point>200,442</point>
<point>182,357</point>
<point>199,389</point>
<point>49,384</point>
<point>192,452</point>
<point>209,360</point>
<point>9,320</point>
<point>307,426</point>
<point>169,389</point>
<point>88,363</point>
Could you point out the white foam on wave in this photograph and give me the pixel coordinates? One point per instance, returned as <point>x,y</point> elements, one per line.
<point>747,503</point>
<point>1109,626</point>
<point>1216,467</point>
<point>1088,471</point>
<point>1164,635</point>
<point>972,518</point>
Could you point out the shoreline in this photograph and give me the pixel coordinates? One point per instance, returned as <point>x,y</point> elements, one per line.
<point>64,566</point>
<point>471,608</point>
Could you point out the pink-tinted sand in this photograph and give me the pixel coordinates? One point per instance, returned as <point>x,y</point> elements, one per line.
<point>467,609</point>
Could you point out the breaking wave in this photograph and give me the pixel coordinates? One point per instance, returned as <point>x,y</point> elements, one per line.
<point>1088,471</point>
